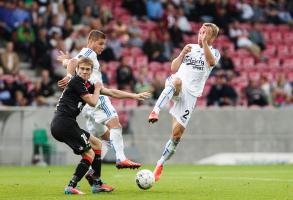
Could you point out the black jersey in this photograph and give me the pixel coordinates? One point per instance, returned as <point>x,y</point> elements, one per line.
<point>70,103</point>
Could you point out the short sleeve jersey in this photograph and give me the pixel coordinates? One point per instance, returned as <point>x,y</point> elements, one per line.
<point>194,70</point>
<point>96,74</point>
<point>70,103</point>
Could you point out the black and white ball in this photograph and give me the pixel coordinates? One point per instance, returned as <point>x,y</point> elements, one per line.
<point>145,179</point>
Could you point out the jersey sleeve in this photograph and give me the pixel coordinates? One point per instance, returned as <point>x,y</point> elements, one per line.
<point>85,52</point>
<point>79,87</point>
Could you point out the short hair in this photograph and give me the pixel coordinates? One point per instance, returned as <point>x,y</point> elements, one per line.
<point>86,61</point>
<point>95,35</point>
<point>214,27</point>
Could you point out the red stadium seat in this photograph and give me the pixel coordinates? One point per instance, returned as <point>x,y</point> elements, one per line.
<point>130,103</point>
<point>141,61</point>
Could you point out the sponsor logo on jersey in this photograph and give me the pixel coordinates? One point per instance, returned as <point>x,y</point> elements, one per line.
<point>196,63</point>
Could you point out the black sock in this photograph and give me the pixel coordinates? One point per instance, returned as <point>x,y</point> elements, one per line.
<point>96,165</point>
<point>80,171</point>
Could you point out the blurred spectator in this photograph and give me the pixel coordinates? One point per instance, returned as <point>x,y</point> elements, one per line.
<point>136,7</point>
<point>266,87</point>
<point>240,37</point>
<point>153,48</point>
<point>67,29</point>
<point>226,63</point>
<point>72,14</point>
<point>42,55</point>
<point>168,46</point>
<point>105,14</point>
<point>258,12</point>
<point>256,36</point>
<point>158,85</point>
<point>142,84</point>
<point>114,44</point>
<point>272,12</point>
<point>176,35</point>
<point>10,60</point>
<point>57,68</point>
<point>183,22</point>
<point>82,6</point>
<point>245,9</point>
<point>121,30</point>
<point>47,83</point>
<point>135,35</point>
<point>87,16</point>
<point>154,9</point>
<point>254,94</point>
<point>281,91</point>
<point>221,93</point>
<point>20,99</point>
<point>124,76</point>
<point>6,91</point>
<point>25,38</point>
<point>189,7</point>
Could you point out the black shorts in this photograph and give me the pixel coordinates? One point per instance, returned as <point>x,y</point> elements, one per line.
<point>66,129</point>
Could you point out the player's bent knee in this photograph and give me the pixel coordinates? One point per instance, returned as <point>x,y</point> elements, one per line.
<point>90,153</point>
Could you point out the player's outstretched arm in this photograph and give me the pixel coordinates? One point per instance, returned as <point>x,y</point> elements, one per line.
<point>177,61</point>
<point>119,94</point>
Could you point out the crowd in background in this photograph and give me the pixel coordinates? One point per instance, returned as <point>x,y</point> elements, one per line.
<point>143,36</point>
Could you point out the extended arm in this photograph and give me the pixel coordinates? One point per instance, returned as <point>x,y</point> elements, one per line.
<point>119,94</point>
<point>177,61</point>
<point>207,51</point>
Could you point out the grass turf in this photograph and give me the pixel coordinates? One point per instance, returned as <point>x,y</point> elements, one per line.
<point>178,182</point>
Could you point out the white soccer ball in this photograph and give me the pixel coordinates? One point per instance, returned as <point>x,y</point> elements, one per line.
<point>145,179</point>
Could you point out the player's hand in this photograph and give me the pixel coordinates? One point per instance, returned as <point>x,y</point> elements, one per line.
<point>186,50</point>
<point>207,34</point>
<point>63,82</point>
<point>143,95</point>
<point>98,85</point>
<point>62,56</point>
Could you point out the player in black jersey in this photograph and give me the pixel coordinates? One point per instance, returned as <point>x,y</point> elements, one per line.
<point>64,127</point>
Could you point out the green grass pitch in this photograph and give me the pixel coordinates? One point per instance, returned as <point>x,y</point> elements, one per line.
<point>178,182</point>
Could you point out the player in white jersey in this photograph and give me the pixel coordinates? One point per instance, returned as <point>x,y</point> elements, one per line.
<point>191,70</point>
<point>102,120</point>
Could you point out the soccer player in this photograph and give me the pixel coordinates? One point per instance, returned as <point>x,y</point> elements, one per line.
<point>105,114</point>
<point>64,127</point>
<point>191,70</point>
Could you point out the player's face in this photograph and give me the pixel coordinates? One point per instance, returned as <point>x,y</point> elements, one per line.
<point>201,33</point>
<point>84,71</point>
<point>99,46</point>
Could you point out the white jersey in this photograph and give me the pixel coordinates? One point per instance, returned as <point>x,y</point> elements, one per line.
<point>96,75</point>
<point>194,70</point>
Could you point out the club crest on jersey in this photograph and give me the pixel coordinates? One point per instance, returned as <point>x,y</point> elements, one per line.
<point>196,63</point>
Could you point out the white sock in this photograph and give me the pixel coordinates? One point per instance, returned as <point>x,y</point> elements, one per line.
<point>164,98</point>
<point>106,145</point>
<point>117,142</point>
<point>168,152</point>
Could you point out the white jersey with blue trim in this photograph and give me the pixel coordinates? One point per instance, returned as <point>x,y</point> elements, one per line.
<point>96,75</point>
<point>194,70</point>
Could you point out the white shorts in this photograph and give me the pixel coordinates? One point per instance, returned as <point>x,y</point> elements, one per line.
<point>97,117</point>
<point>183,106</point>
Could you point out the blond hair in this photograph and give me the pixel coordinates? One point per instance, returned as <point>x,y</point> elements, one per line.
<point>214,27</point>
<point>86,61</point>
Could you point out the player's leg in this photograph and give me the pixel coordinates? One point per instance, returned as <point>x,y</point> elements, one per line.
<point>106,144</point>
<point>67,130</point>
<point>116,140</point>
<point>170,147</point>
<point>94,175</point>
<point>172,88</point>
<point>80,171</point>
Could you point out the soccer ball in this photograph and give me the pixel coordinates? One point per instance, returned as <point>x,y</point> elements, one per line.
<point>145,179</point>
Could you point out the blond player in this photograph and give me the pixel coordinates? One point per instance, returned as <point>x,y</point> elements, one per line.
<point>190,70</point>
